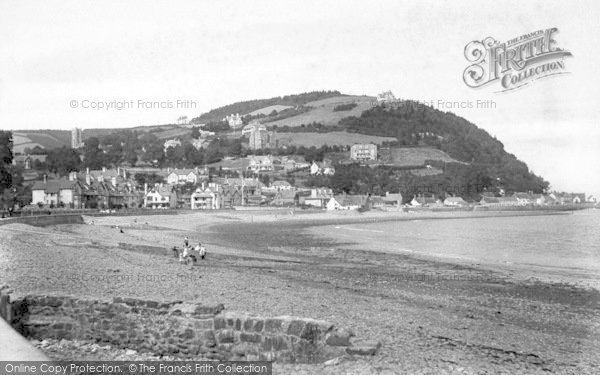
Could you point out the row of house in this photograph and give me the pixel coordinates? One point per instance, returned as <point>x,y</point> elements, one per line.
<point>91,189</point>
<point>531,199</point>
<point>517,199</point>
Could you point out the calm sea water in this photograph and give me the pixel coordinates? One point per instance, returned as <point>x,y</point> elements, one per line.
<point>566,242</point>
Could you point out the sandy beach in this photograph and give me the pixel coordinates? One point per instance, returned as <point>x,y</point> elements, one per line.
<point>431,315</point>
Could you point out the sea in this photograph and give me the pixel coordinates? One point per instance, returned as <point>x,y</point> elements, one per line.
<point>561,248</point>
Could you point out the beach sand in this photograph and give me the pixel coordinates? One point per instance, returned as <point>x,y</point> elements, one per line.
<point>432,316</point>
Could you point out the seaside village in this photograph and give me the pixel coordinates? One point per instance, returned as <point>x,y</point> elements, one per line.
<point>240,185</point>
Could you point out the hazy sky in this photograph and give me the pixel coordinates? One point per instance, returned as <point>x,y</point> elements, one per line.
<point>218,52</point>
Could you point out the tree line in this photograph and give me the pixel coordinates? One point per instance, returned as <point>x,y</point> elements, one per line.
<point>414,124</point>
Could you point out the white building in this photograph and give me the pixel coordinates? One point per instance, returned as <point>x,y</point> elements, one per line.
<point>206,199</point>
<point>363,152</point>
<point>171,143</point>
<point>182,176</point>
<point>323,168</point>
<point>161,196</point>
<point>386,96</point>
<point>234,121</point>
<point>55,192</point>
<point>260,163</point>
<point>455,202</point>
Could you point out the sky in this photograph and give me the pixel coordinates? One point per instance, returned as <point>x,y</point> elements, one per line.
<point>61,61</point>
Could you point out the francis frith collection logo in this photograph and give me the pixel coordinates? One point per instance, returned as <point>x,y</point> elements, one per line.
<point>515,63</point>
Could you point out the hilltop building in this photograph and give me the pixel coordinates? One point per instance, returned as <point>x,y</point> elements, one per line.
<point>234,121</point>
<point>386,96</point>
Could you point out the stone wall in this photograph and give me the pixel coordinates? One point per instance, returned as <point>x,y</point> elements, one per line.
<point>178,328</point>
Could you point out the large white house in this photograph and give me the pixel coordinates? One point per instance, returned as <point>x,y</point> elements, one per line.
<point>235,121</point>
<point>55,192</point>
<point>386,96</point>
<point>363,152</point>
<point>171,143</point>
<point>347,202</point>
<point>161,196</point>
<point>260,163</point>
<point>323,168</point>
<point>206,199</point>
<point>183,176</point>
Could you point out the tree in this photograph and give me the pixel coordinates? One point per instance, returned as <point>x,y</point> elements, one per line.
<point>130,156</point>
<point>154,153</point>
<point>148,178</point>
<point>93,157</point>
<point>265,179</point>
<point>6,158</point>
<point>175,156</point>
<point>63,160</point>
<point>195,132</point>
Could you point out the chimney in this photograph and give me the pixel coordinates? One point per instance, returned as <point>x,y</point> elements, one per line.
<point>145,188</point>
<point>118,171</point>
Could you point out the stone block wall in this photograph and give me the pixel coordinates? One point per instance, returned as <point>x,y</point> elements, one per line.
<point>176,328</point>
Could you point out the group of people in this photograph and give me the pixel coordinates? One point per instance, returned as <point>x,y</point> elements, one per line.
<point>187,248</point>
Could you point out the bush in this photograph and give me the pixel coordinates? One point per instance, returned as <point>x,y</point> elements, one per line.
<point>344,107</point>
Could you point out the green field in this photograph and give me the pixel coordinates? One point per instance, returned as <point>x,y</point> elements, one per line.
<point>269,109</point>
<point>42,138</point>
<point>413,156</point>
<point>330,139</point>
<point>322,111</point>
<point>174,133</point>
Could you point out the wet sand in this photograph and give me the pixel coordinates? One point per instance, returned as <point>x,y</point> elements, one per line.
<point>431,316</point>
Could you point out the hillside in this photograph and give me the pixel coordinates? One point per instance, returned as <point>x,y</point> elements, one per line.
<point>267,110</point>
<point>246,107</point>
<point>322,111</point>
<point>414,134</point>
<point>413,156</point>
<point>414,124</point>
<point>42,138</point>
<point>331,139</point>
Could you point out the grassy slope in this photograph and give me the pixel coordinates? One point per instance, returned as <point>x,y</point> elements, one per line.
<point>332,138</point>
<point>409,156</point>
<point>269,109</point>
<point>43,138</point>
<point>323,111</point>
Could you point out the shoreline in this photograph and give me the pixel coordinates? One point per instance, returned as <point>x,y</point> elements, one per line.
<point>436,316</point>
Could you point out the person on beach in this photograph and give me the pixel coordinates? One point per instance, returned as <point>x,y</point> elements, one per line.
<point>185,253</point>
<point>201,250</point>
